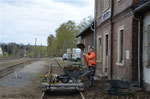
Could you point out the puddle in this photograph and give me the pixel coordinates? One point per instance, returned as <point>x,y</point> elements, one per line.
<point>23,76</point>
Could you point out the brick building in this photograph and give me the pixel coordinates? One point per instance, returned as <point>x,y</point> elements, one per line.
<point>117,39</point>
<point>122,40</point>
<point>87,36</point>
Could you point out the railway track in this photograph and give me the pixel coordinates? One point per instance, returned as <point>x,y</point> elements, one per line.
<point>12,68</point>
<point>8,59</point>
<point>63,94</point>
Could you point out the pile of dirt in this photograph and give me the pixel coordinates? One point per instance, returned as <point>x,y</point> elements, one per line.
<point>72,68</point>
<point>100,87</point>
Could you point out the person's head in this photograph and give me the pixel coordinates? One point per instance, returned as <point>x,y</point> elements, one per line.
<point>91,49</point>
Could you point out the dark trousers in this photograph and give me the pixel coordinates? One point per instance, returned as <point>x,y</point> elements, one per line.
<point>91,76</point>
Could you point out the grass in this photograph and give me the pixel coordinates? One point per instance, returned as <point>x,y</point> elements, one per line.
<point>5,56</point>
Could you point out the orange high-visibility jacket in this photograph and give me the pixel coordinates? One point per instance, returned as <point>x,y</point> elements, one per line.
<point>90,59</point>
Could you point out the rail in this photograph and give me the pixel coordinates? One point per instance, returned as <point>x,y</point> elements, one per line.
<point>44,96</point>
<point>11,68</point>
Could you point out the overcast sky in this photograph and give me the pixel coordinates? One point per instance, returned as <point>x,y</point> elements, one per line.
<point>22,21</point>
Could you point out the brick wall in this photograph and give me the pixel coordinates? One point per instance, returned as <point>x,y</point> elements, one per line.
<point>123,72</point>
<point>121,5</point>
<point>88,37</point>
<point>101,31</point>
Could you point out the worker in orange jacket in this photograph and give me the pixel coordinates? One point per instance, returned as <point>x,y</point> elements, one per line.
<point>90,59</point>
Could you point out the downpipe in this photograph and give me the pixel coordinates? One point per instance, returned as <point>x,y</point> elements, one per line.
<point>92,29</point>
<point>94,41</point>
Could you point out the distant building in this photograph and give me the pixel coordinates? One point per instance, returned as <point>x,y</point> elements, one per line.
<point>1,52</point>
<point>87,38</point>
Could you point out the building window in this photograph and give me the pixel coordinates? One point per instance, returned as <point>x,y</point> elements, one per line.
<point>120,60</point>
<point>106,4</point>
<point>106,44</point>
<point>99,8</point>
<point>89,47</point>
<point>147,47</point>
<point>99,49</point>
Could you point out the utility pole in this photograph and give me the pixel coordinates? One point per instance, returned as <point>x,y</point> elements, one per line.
<point>41,51</point>
<point>51,48</point>
<point>47,48</point>
<point>35,53</point>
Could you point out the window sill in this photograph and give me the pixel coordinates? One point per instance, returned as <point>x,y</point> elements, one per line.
<point>99,16</point>
<point>106,9</point>
<point>120,64</point>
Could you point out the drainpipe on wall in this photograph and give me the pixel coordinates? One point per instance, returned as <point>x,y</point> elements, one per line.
<point>111,55</point>
<point>95,28</point>
<point>139,50</point>
<point>92,29</point>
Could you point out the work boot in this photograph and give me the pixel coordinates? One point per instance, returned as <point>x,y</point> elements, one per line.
<point>90,85</point>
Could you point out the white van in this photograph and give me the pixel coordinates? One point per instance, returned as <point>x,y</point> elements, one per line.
<point>69,53</point>
<point>76,54</point>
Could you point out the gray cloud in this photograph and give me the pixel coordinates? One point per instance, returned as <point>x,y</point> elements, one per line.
<point>80,3</point>
<point>23,20</point>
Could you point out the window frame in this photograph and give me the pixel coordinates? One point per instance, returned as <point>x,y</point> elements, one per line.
<point>105,3</point>
<point>99,9</point>
<point>89,47</point>
<point>119,47</point>
<point>99,58</point>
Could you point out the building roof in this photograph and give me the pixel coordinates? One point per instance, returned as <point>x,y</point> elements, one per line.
<point>83,32</point>
<point>143,7</point>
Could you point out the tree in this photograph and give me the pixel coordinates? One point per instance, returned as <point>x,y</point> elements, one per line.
<point>65,37</point>
<point>51,45</point>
